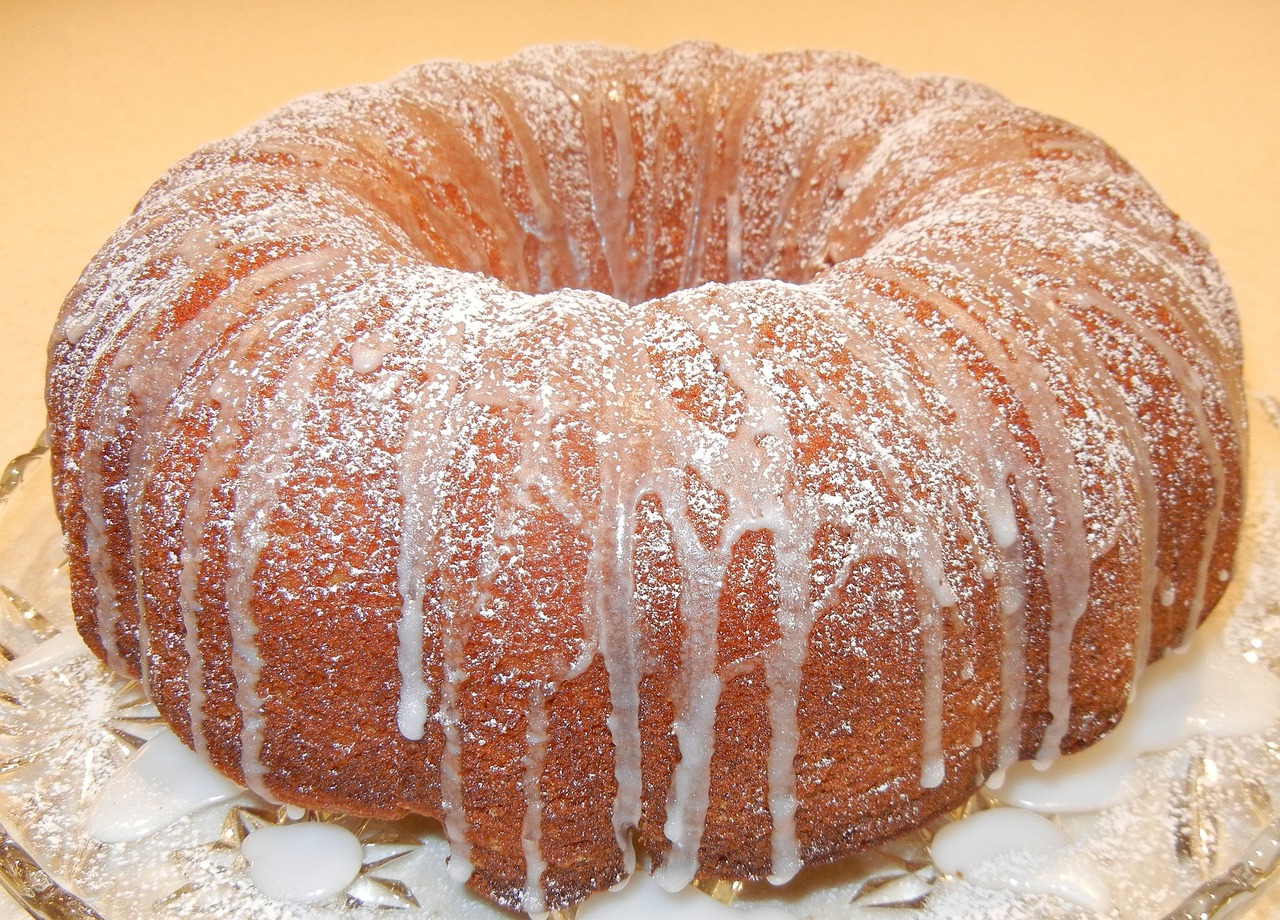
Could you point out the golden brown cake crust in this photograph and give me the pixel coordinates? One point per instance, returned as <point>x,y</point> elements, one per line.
<point>750,453</point>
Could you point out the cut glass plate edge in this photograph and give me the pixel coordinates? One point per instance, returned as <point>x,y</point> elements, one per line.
<point>38,892</point>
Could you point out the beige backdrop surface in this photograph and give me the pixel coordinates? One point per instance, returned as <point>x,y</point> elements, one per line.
<point>96,100</point>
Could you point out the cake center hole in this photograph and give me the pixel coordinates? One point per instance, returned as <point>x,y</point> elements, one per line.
<point>676,216</point>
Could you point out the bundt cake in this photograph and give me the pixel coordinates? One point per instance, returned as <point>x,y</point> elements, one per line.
<point>749,454</point>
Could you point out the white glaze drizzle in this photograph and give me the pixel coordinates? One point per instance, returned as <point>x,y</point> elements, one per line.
<point>432,432</point>
<point>534,902</point>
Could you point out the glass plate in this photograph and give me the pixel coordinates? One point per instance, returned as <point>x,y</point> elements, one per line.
<point>1200,840</point>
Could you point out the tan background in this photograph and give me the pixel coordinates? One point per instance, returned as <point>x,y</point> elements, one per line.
<point>96,100</point>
